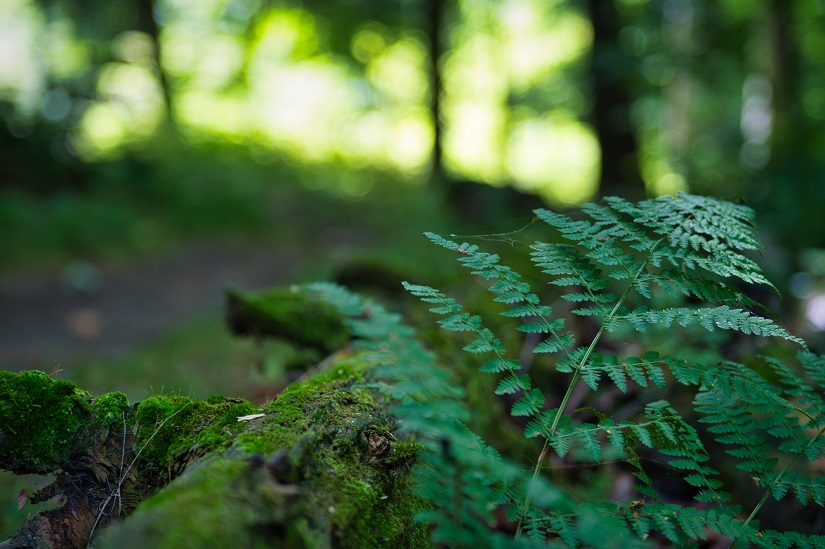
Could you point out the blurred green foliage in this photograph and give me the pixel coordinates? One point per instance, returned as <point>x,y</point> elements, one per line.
<point>116,121</point>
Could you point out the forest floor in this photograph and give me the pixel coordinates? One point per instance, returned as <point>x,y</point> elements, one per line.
<point>97,312</point>
<point>86,316</point>
<point>153,324</point>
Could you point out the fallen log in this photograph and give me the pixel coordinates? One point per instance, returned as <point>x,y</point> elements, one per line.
<point>317,467</point>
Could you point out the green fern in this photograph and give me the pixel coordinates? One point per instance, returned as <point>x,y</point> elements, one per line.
<point>462,478</point>
<point>613,265</point>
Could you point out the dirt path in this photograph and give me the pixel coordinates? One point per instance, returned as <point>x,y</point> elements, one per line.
<point>50,319</point>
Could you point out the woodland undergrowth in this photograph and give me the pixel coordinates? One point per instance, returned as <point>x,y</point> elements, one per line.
<point>631,271</point>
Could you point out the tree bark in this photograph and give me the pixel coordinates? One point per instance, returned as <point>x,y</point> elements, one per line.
<point>610,71</point>
<point>435,11</point>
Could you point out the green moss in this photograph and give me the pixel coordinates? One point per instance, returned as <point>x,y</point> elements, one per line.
<point>170,425</point>
<point>289,313</point>
<point>305,404</point>
<point>343,494</point>
<point>368,502</point>
<point>403,452</point>
<point>373,506</point>
<point>40,418</point>
<point>110,407</point>
<point>212,506</point>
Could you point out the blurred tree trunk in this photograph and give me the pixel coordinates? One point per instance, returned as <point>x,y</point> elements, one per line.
<point>792,202</point>
<point>435,18</point>
<point>148,24</point>
<point>611,71</point>
<point>789,118</point>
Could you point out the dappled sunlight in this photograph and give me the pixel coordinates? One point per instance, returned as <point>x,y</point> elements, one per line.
<point>556,157</point>
<point>412,141</point>
<point>660,177</point>
<point>214,65</point>
<point>369,41</point>
<point>398,72</point>
<point>402,142</point>
<point>205,113</point>
<point>65,56</point>
<point>552,154</point>
<point>473,69</point>
<point>131,109</point>
<point>537,46</point>
<point>287,35</point>
<point>271,79</point>
<point>21,25</point>
<point>102,125</point>
<point>133,47</point>
<point>473,141</point>
<point>299,100</point>
<point>300,108</point>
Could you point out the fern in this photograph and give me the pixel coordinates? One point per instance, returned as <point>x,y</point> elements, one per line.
<point>616,265</point>
<point>462,478</point>
<point>622,267</point>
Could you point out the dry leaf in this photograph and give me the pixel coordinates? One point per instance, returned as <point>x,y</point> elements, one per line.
<point>250,417</point>
<point>22,498</point>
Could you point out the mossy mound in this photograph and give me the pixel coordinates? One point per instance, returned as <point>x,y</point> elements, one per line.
<point>40,418</point>
<point>321,468</point>
<point>290,313</point>
<point>110,408</point>
<point>173,430</point>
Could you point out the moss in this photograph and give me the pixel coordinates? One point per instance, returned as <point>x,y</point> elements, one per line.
<point>40,418</point>
<point>335,490</point>
<point>172,425</point>
<point>373,506</point>
<point>304,404</point>
<point>110,407</point>
<point>289,313</point>
<point>212,506</point>
<point>367,501</point>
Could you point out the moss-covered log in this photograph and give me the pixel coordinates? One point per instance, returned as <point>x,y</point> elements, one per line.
<point>288,313</point>
<point>317,467</point>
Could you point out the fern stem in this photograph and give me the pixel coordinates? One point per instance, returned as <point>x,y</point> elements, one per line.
<point>574,381</point>
<point>778,478</point>
<point>536,471</point>
<point>592,347</point>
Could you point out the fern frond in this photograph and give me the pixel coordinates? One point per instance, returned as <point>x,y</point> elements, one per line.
<point>683,525</point>
<point>563,527</point>
<point>511,290</point>
<point>814,366</point>
<point>686,216</point>
<point>790,540</point>
<point>596,237</point>
<point>568,266</point>
<point>681,441</point>
<point>807,400</point>
<point>531,402</point>
<point>730,423</point>
<point>709,291</point>
<point>458,473</point>
<point>710,318</point>
<point>616,255</point>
